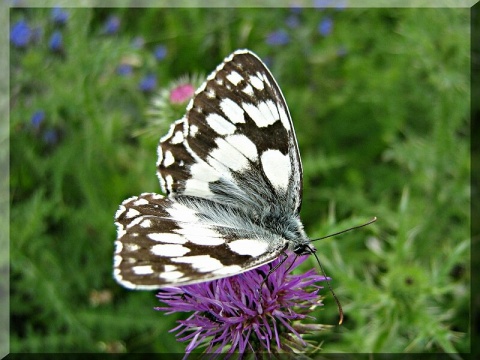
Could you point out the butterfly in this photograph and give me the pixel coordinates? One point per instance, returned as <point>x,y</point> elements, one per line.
<point>232,175</point>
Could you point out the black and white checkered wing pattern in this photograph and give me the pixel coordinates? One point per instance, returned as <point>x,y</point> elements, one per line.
<point>233,178</point>
<point>236,143</point>
<point>162,242</point>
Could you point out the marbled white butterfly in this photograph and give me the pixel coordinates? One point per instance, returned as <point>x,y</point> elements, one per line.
<point>232,173</point>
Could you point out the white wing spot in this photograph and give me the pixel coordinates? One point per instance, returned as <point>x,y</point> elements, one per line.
<point>233,111</point>
<point>135,222</point>
<point>140,201</point>
<point>120,230</point>
<point>248,90</point>
<point>167,238</point>
<point>227,270</point>
<point>210,93</point>
<point>179,211</point>
<point>229,156</point>
<point>277,167</point>
<point>146,223</point>
<point>256,82</point>
<point>177,138</point>
<point>193,130</point>
<point>284,118</point>
<point>203,263</point>
<point>168,159</point>
<point>169,267</point>
<point>172,275</point>
<point>249,247</point>
<point>201,235</point>
<point>117,260</point>
<point>118,247</point>
<point>131,213</point>
<point>202,175</point>
<point>268,116</point>
<point>261,115</point>
<point>169,182</point>
<point>220,125</point>
<point>234,78</point>
<point>244,145</point>
<point>169,250</point>
<point>131,247</point>
<point>142,269</point>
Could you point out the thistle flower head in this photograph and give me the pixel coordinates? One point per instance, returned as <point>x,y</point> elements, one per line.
<point>168,104</point>
<point>230,316</point>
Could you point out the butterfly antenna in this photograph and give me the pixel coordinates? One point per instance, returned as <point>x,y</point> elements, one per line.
<point>346,230</point>
<point>340,310</point>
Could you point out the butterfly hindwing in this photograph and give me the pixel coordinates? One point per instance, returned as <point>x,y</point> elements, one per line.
<point>164,242</point>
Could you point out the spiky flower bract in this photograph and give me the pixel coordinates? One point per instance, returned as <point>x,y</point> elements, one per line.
<point>231,317</point>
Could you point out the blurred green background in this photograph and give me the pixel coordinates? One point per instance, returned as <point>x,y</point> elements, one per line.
<point>380,103</point>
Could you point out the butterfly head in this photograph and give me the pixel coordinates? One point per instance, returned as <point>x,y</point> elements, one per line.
<point>304,249</point>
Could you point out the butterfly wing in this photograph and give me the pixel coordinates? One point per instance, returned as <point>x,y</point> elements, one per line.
<point>232,173</point>
<point>165,242</point>
<point>236,144</point>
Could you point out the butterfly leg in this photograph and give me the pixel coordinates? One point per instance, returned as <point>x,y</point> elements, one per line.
<point>284,258</point>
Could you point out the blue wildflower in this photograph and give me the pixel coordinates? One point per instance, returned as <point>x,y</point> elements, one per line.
<point>20,34</point>
<point>37,119</point>
<point>112,25</point>
<point>230,315</point>
<point>160,52</point>
<point>124,69</point>
<point>148,83</point>
<point>56,42</point>
<point>278,38</point>
<point>59,16</point>
<point>325,26</point>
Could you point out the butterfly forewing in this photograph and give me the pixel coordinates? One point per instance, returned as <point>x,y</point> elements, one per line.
<point>233,178</point>
<point>239,132</point>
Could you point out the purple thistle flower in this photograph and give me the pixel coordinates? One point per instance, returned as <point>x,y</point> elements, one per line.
<point>230,315</point>
<point>148,83</point>
<point>325,26</point>
<point>278,38</point>
<point>59,16</point>
<point>20,34</point>
<point>56,42</point>
<point>112,25</point>
<point>181,93</point>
